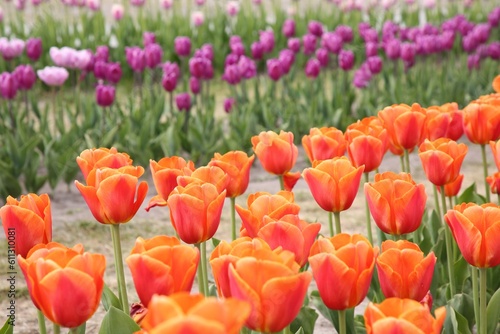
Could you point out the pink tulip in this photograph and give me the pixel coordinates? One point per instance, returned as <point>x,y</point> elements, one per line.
<point>34,48</point>
<point>53,76</point>
<point>117,11</point>
<point>198,18</point>
<point>12,48</point>
<point>232,8</point>
<point>105,95</point>
<point>166,4</point>
<point>8,86</point>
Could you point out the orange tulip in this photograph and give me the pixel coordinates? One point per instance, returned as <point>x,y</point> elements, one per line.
<point>367,143</point>
<point>206,174</point>
<point>228,253</point>
<point>270,284</point>
<point>276,153</point>
<point>396,202</point>
<point>395,315</point>
<point>453,188</point>
<point>28,220</point>
<point>476,229</point>
<point>112,195</point>
<point>444,121</point>
<point>495,148</point>
<point>333,183</point>
<point>263,204</point>
<point>65,284</point>
<point>482,121</point>
<point>290,233</point>
<point>236,164</point>
<point>324,143</point>
<point>183,313</point>
<point>494,182</point>
<point>342,267</point>
<point>496,84</point>
<point>405,126</point>
<point>161,265</point>
<point>195,211</point>
<point>403,271</point>
<point>101,157</point>
<point>165,173</point>
<point>290,180</point>
<point>442,160</point>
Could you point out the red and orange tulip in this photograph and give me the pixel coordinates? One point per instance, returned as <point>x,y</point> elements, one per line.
<point>31,219</point>
<point>262,204</point>
<point>396,202</point>
<point>161,265</point>
<point>165,173</point>
<point>64,283</point>
<point>494,182</point>
<point>442,160</point>
<point>236,164</point>
<point>444,121</point>
<point>195,211</point>
<point>405,126</point>
<point>324,143</point>
<point>476,229</point>
<point>290,180</point>
<point>495,148</point>
<point>206,174</point>
<point>453,188</point>
<point>367,143</point>
<point>345,262</point>
<point>496,84</point>
<point>114,195</point>
<point>333,183</point>
<point>403,271</point>
<point>276,153</point>
<point>395,315</point>
<point>183,313</point>
<point>482,121</point>
<point>101,157</point>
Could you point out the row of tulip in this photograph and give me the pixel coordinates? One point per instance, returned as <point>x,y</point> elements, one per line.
<point>276,243</point>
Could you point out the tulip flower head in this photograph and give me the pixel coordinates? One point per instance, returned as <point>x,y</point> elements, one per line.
<point>276,152</point>
<point>233,8</point>
<point>236,165</point>
<point>53,76</point>
<point>105,95</point>
<point>482,121</point>
<point>34,48</point>
<point>117,11</point>
<point>8,85</point>
<point>324,143</point>
<point>229,104</point>
<point>197,18</point>
<point>183,101</point>
<point>182,46</point>
<point>495,148</point>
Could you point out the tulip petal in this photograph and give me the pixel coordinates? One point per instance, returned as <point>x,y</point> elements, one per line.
<point>90,196</point>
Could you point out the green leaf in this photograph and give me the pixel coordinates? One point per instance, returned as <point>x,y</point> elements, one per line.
<point>331,315</point>
<point>7,328</point>
<point>109,299</point>
<point>493,312</point>
<point>115,321</point>
<point>300,331</point>
<point>470,195</point>
<point>464,305</point>
<point>305,320</point>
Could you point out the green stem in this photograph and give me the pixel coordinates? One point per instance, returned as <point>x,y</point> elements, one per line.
<point>330,223</point>
<point>120,275</point>
<point>287,330</point>
<point>367,214</point>
<point>450,202</point>
<point>57,329</point>
<point>402,160</point>
<point>282,182</point>
<point>448,241</point>
<point>204,266</point>
<point>475,294</point>
<point>201,285</point>
<point>337,222</point>
<point>342,326</point>
<point>233,218</point>
<point>407,160</point>
<point>485,172</point>
<point>482,299</point>
<point>41,322</point>
<point>436,200</point>
<point>73,330</point>
<point>498,198</point>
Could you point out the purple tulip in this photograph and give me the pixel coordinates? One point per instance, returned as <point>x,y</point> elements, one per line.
<point>473,62</point>
<point>90,65</point>
<point>392,49</point>
<point>232,74</point>
<point>470,43</point>
<point>105,95</point>
<point>113,72</point>
<point>34,48</point>
<point>102,53</point>
<point>294,44</point>
<point>136,58</point>
<point>8,86</point>
<point>25,77</point>
<point>322,56</point>
<point>235,39</point>
<point>274,69</point>
<point>447,40</point>
<point>170,67</point>
<point>53,76</point>
<point>346,60</point>
<point>183,101</point>
<point>315,28</point>
<point>371,49</point>
<point>345,32</point>
<point>257,50</point>
<point>362,26</point>
<point>237,49</point>
<point>231,59</point>
<point>194,85</point>
<point>313,68</point>
<point>309,41</point>
<point>169,81</point>
<point>207,51</point>
<point>247,67</point>
<point>494,50</point>
<point>481,32</point>
<point>267,39</point>
<point>182,46</point>
<point>287,58</point>
<point>374,64</point>
<point>362,77</point>
<point>389,30</point>
<point>332,42</point>
<point>369,35</point>
<point>100,69</point>
<point>494,17</point>
<point>229,104</point>
<point>153,54</point>
<point>288,28</point>
<point>198,67</point>
<point>408,52</point>
<point>148,38</point>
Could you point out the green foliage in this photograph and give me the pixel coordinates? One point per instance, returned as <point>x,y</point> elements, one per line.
<point>332,316</point>
<point>305,321</point>
<point>7,328</point>
<point>115,321</point>
<point>109,299</point>
<point>493,313</point>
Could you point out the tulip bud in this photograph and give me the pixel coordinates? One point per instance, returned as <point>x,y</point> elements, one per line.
<point>182,46</point>
<point>232,74</point>
<point>287,58</point>
<point>288,28</point>
<point>332,42</point>
<point>315,28</point>
<point>183,101</point>
<point>117,11</point>
<point>309,41</point>
<point>257,50</point>
<point>294,44</point>
<point>322,56</point>
<point>229,104</point>
<point>194,85</point>
<point>274,69</point>
<point>33,48</point>
<point>313,68</point>
<point>374,64</point>
<point>25,77</point>
<point>153,54</point>
<point>105,95</point>
<point>8,85</point>
<point>346,60</point>
<point>169,82</point>
<point>198,18</point>
<point>113,72</point>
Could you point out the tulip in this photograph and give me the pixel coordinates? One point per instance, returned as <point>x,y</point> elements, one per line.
<point>232,74</point>
<point>374,64</point>
<point>182,46</point>
<point>112,195</point>
<point>452,189</point>
<point>442,160</point>
<point>29,219</point>
<point>247,67</point>
<point>263,204</point>
<point>136,58</point>
<point>481,122</point>
<point>94,5</point>
<point>294,44</point>
<point>403,271</point>
<point>53,76</point>
<point>198,18</point>
<point>257,50</point>
<point>8,85</point>
<point>274,69</point>
<point>315,28</point>
<point>288,28</point>
<point>117,11</point>
<point>194,85</point>
<point>101,157</point>
<point>12,48</point>
<point>345,262</point>
<point>395,315</point>
<point>322,56</point>
<point>52,270</point>
<point>105,95</point>
<point>137,3</point>
<point>345,32</point>
<point>496,83</point>
<point>162,266</point>
<point>324,143</point>
<point>148,38</point>
<point>233,8</point>
<point>396,202</point>
<point>229,104</point>
<point>236,165</point>
<point>494,182</point>
<point>206,174</point>
<point>113,72</point>
<point>183,101</point>
<point>169,82</point>
<point>444,121</point>
<point>195,211</point>
<point>166,4</point>
<point>309,41</point>
<point>102,53</point>
<point>286,58</point>
<point>276,152</point>
<point>313,67</point>
<point>165,173</point>
<point>332,42</point>
<point>183,313</point>
<point>267,39</point>
<point>495,148</point>
<point>333,183</point>
<point>346,60</point>
<point>34,48</point>
<point>153,54</point>
<point>100,69</point>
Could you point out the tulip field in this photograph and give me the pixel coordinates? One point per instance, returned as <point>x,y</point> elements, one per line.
<point>250,166</point>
